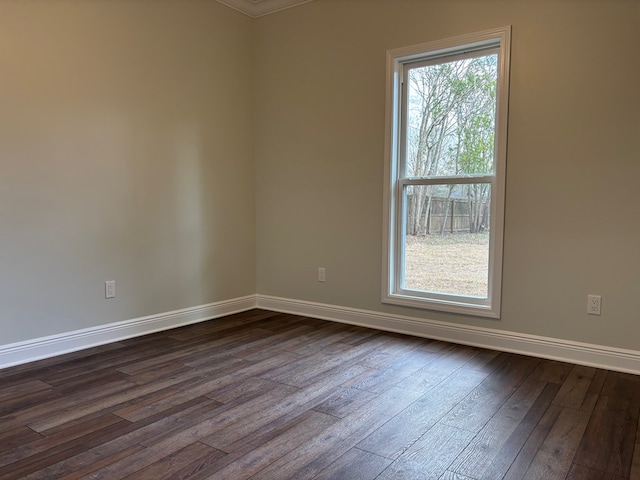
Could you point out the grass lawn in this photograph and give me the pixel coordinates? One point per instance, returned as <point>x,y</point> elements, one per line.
<point>450,263</point>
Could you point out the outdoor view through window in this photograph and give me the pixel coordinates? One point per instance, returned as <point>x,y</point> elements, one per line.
<point>446,176</point>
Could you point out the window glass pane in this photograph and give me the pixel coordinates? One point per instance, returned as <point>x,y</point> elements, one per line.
<point>450,119</point>
<point>446,239</point>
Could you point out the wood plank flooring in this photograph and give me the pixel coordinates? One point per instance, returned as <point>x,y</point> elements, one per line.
<point>262,395</point>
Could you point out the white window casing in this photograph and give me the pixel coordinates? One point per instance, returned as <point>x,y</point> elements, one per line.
<point>494,41</point>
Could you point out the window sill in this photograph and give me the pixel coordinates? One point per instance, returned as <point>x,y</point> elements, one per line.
<point>450,306</point>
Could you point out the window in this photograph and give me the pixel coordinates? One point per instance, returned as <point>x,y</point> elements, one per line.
<point>445,173</point>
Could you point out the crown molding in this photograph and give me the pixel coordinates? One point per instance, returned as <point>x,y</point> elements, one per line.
<point>259,8</point>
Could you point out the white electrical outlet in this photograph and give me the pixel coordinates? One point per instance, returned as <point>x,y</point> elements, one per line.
<point>594,303</point>
<point>321,274</point>
<point>110,289</point>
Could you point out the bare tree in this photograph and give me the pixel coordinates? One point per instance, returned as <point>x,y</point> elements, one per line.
<point>449,131</point>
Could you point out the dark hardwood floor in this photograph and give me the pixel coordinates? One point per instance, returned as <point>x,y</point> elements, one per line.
<point>263,395</point>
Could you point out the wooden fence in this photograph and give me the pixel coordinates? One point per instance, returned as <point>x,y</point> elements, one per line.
<point>449,216</point>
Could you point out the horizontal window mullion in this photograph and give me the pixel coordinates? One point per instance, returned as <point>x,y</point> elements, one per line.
<point>467,179</point>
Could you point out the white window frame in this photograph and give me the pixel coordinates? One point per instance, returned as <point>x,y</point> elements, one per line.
<point>498,39</point>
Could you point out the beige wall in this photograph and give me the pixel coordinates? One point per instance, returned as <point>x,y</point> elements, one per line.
<point>572,219</point>
<point>131,134</point>
<point>125,154</point>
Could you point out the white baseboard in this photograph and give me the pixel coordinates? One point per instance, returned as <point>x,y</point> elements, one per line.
<point>45,347</point>
<point>568,351</point>
<point>564,350</point>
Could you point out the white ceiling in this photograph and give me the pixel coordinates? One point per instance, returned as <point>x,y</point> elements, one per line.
<point>258,8</point>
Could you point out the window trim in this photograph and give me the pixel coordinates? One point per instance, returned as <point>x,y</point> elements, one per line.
<point>499,39</point>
